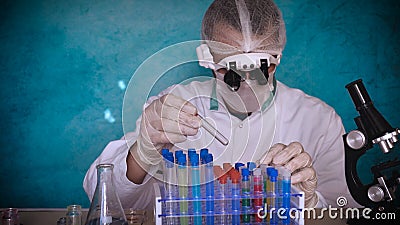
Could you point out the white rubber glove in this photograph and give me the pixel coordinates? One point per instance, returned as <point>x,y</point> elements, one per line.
<point>294,158</point>
<point>167,120</point>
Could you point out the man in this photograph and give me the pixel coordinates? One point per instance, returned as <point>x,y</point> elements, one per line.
<point>243,46</point>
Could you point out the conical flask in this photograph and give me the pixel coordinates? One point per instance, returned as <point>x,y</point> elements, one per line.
<point>105,208</point>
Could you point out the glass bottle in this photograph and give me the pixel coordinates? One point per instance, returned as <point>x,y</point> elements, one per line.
<point>105,208</point>
<point>74,215</point>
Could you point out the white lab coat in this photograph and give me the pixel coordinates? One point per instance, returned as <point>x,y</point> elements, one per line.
<point>298,117</point>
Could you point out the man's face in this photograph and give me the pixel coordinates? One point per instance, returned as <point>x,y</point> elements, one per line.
<point>250,96</point>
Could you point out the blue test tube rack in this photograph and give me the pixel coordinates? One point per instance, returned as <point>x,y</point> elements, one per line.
<point>203,205</point>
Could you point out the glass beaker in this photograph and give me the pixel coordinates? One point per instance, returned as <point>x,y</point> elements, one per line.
<point>105,208</point>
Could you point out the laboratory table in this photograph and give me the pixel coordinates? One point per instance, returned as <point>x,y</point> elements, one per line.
<point>50,216</point>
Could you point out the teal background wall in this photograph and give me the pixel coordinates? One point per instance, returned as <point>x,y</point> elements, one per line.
<point>61,63</point>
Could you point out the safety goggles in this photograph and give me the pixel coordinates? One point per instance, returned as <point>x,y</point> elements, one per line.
<point>242,62</point>
<point>249,61</point>
<point>253,66</point>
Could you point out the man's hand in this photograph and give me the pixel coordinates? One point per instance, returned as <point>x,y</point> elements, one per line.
<point>294,158</point>
<point>167,120</point>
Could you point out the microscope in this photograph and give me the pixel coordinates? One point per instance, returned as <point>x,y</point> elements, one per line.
<point>372,128</point>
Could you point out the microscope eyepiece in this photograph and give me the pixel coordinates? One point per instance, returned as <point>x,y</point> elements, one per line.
<point>359,94</point>
<point>370,121</point>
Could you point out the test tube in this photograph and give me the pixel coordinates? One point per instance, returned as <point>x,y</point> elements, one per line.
<point>223,218</point>
<point>278,189</point>
<point>183,189</point>
<point>258,192</point>
<point>269,193</point>
<point>203,153</point>
<point>196,192</point>
<point>190,152</point>
<point>264,173</point>
<point>273,179</point>
<point>263,168</point>
<point>209,189</point>
<point>228,193</point>
<point>251,166</point>
<point>286,188</point>
<point>213,131</point>
<point>235,178</point>
<point>170,188</point>
<point>246,206</point>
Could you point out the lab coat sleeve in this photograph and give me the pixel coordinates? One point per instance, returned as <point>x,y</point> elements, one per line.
<point>329,164</point>
<point>131,195</point>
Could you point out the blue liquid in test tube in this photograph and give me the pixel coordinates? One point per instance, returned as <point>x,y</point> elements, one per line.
<point>209,189</point>
<point>286,188</point>
<point>196,192</point>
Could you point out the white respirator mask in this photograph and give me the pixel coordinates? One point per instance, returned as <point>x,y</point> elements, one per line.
<point>247,77</point>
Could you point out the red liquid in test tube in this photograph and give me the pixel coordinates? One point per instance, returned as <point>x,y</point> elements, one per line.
<point>258,192</point>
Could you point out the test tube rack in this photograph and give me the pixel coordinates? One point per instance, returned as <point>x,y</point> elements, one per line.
<point>227,215</point>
